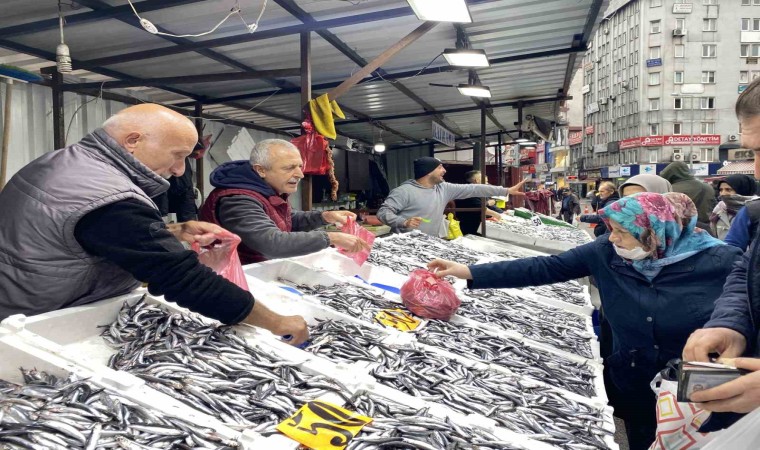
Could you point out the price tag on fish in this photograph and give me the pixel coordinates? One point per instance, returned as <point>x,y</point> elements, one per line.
<point>323,426</point>
<point>536,221</point>
<point>398,319</point>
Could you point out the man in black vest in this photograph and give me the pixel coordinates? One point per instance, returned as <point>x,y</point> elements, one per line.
<point>84,227</point>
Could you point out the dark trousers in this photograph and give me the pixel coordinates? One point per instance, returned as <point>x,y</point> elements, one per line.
<point>567,216</point>
<point>637,410</point>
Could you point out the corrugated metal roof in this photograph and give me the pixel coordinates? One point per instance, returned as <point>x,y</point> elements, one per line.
<point>504,28</point>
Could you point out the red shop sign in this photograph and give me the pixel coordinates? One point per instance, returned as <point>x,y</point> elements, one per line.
<point>703,139</point>
<point>590,129</point>
<point>575,137</point>
<point>630,143</point>
<point>652,141</point>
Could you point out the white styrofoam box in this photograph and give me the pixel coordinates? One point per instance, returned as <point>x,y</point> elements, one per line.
<point>585,310</point>
<point>329,259</point>
<point>23,349</point>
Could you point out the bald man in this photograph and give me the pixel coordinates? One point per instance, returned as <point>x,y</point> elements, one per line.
<point>79,225</point>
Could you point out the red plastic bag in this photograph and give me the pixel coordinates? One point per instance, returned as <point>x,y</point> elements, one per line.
<point>353,228</point>
<point>222,257</point>
<point>314,150</point>
<point>428,296</point>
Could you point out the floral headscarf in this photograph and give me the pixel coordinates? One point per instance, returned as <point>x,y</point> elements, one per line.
<point>662,223</point>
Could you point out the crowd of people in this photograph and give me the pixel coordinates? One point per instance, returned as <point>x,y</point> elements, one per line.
<point>674,261</point>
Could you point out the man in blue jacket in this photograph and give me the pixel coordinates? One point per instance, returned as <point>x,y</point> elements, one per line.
<point>734,328</point>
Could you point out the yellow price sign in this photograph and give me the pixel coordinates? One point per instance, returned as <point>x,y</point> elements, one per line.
<point>398,319</point>
<point>323,426</point>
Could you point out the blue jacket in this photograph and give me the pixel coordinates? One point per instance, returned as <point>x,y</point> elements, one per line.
<point>650,321</point>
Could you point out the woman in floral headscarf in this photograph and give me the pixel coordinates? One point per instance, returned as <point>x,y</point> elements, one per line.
<point>657,276</point>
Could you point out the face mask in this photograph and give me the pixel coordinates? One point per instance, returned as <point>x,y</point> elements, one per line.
<point>636,254</point>
<point>727,198</point>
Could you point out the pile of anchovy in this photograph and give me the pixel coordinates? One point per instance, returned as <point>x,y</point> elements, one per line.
<point>209,367</point>
<point>343,341</point>
<point>424,249</point>
<point>351,299</point>
<point>552,233</point>
<point>393,261</point>
<point>398,426</point>
<point>59,414</point>
<point>538,412</point>
<point>541,323</point>
<point>538,364</point>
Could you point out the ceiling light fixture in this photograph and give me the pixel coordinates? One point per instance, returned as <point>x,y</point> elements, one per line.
<point>62,53</point>
<point>466,57</point>
<point>474,90</point>
<point>441,10</point>
<point>527,143</point>
<point>379,146</point>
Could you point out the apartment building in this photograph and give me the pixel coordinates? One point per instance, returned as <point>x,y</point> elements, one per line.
<point>660,79</point>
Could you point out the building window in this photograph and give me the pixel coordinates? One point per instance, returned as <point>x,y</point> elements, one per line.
<point>654,79</point>
<point>707,103</point>
<point>654,129</point>
<point>677,128</point>
<point>709,2</point>
<point>679,50</point>
<point>709,50</point>
<point>753,75</point>
<point>680,24</point>
<point>708,77</point>
<point>654,104</point>
<point>654,52</point>
<point>744,51</point>
<point>746,2</point>
<point>708,154</point>
<point>710,25</point>
<point>678,77</point>
<point>656,3</point>
<point>755,24</point>
<point>745,24</point>
<point>677,103</point>
<point>756,2</point>
<point>743,77</point>
<point>653,156</point>
<point>654,26</point>
<point>707,128</point>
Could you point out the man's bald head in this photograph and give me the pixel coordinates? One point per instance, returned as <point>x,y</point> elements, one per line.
<point>155,135</point>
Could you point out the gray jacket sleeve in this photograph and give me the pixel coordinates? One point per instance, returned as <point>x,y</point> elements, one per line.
<point>247,218</point>
<point>459,191</point>
<point>307,220</point>
<point>389,211</point>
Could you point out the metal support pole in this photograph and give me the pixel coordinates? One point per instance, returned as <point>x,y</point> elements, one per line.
<point>500,160</point>
<point>6,131</point>
<point>691,137</point>
<point>199,174</point>
<point>484,201</point>
<point>306,184</point>
<point>59,121</point>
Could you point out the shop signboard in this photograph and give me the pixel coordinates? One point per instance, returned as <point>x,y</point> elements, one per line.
<point>443,135</point>
<point>589,66</point>
<point>742,88</point>
<point>700,139</point>
<point>655,62</point>
<point>613,147</point>
<point>592,108</point>
<point>740,154</point>
<point>613,171</point>
<point>585,89</point>
<point>604,172</point>
<point>630,143</point>
<point>542,168</point>
<point>650,169</point>
<point>700,170</point>
<point>625,171</point>
<point>652,141</point>
<point>683,8</point>
<point>575,137</point>
<point>527,153</point>
<point>589,130</point>
<point>600,148</point>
